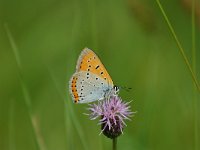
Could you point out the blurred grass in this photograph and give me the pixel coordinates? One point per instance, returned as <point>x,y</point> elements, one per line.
<point>196,145</point>
<point>70,114</point>
<point>180,47</point>
<point>132,40</point>
<point>24,89</point>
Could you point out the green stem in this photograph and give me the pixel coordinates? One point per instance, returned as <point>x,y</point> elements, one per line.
<point>193,38</point>
<point>194,68</point>
<point>114,143</point>
<point>23,85</point>
<point>179,46</point>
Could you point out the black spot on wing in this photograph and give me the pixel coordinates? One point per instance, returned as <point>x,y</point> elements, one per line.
<point>97,67</point>
<point>88,75</point>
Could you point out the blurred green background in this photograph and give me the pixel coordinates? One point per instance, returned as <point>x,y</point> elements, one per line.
<point>40,42</point>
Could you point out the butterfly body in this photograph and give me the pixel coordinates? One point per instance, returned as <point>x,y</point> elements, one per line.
<point>91,81</point>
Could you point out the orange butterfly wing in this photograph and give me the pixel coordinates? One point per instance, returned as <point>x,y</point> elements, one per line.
<point>89,61</point>
<point>73,89</point>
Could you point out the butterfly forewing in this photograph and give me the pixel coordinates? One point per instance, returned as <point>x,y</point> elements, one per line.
<point>89,61</point>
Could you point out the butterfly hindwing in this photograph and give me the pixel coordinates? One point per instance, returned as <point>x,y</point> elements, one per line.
<point>87,87</point>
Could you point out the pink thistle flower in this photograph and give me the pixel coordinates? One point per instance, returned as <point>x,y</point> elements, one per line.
<point>112,112</point>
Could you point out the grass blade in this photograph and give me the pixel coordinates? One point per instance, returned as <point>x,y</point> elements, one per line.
<point>71,113</point>
<point>23,85</point>
<point>194,68</point>
<point>179,46</point>
<point>11,126</point>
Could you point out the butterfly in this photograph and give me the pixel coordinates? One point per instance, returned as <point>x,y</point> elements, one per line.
<point>91,81</point>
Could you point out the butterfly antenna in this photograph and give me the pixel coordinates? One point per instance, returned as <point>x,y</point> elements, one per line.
<point>127,89</point>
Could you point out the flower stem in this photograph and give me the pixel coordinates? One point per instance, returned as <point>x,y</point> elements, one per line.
<point>114,143</point>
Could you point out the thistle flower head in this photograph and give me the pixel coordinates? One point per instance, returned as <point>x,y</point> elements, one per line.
<point>112,113</point>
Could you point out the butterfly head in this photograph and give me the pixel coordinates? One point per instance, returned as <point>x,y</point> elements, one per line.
<point>116,90</point>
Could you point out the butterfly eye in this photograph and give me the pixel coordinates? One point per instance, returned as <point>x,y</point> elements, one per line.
<point>116,88</point>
